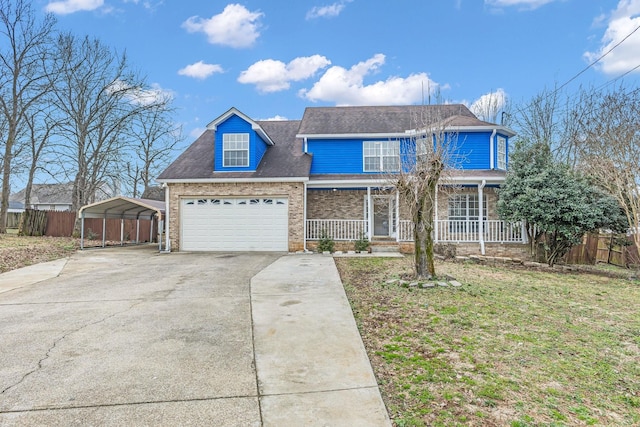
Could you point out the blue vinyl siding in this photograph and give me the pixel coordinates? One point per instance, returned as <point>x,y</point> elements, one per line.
<point>335,155</point>
<point>474,150</point>
<point>344,156</point>
<point>257,146</point>
<point>260,147</point>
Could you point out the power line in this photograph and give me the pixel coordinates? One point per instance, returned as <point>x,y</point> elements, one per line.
<point>618,78</point>
<point>591,65</point>
<point>598,60</point>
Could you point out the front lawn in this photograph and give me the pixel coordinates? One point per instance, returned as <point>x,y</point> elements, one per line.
<point>21,251</point>
<point>511,347</point>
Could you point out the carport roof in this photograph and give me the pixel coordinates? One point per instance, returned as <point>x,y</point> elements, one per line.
<point>123,208</point>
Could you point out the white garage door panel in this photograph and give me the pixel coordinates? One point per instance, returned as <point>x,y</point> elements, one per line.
<point>235,224</point>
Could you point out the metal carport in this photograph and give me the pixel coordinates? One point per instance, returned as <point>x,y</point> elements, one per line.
<point>124,208</point>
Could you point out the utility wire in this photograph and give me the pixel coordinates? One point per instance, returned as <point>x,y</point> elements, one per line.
<point>597,60</point>
<point>618,78</point>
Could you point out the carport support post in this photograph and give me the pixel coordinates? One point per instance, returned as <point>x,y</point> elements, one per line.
<point>138,229</point>
<point>82,231</point>
<point>151,221</point>
<point>121,231</point>
<point>104,230</point>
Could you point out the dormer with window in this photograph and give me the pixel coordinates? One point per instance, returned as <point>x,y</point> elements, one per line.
<point>240,142</point>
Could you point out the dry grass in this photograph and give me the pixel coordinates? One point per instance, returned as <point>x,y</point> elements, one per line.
<point>509,348</point>
<point>21,251</point>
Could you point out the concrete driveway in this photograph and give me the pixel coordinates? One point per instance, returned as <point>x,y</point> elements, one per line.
<point>132,337</point>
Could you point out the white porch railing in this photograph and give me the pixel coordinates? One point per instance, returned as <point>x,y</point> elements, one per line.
<point>495,231</point>
<point>337,229</point>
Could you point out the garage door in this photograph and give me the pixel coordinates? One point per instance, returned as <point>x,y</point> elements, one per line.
<point>235,224</point>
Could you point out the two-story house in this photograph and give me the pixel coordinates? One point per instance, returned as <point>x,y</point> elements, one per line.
<point>247,185</point>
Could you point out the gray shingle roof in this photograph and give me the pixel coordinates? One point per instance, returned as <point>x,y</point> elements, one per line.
<point>284,159</point>
<point>381,119</point>
<point>46,194</point>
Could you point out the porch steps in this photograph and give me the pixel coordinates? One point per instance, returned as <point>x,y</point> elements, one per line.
<point>384,248</point>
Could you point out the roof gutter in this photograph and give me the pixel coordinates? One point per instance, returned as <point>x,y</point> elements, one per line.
<point>230,180</point>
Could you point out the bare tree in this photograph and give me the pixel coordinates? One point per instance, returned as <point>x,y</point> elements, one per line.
<point>41,124</point>
<point>489,106</point>
<point>538,120</point>
<point>555,119</point>
<point>23,77</point>
<point>98,97</point>
<point>154,135</point>
<point>609,147</point>
<point>426,159</point>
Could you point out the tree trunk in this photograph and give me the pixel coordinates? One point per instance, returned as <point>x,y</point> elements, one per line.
<point>27,189</point>
<point>6,185</point>
<point>423,232</point>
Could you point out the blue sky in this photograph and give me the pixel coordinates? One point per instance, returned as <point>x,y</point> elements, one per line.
<point>272,58</point>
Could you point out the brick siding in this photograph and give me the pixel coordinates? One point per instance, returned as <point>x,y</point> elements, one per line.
<point>340,204</point>
<point>294,191</point>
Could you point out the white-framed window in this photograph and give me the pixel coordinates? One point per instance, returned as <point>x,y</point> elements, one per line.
<point>423,148</point>
<point>235,149</point>
<point>502,152</point>
<point>381,156</point>
<point>466,207</point>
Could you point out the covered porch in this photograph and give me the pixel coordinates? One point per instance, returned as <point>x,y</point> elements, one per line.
<point>349,210</point>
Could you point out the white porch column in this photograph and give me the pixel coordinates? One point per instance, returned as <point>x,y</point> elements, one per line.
<point>481,215</point>
<point>369,215</point>
<point>397,216</point>
<point>436,234</point>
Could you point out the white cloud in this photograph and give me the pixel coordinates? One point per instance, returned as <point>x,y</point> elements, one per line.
<point>236,26</point>
<point>270,75</point>
<point>328,11</point>
<point>196,132</point>
<point>621,22</point>
<point>522,4</point>
<point>141,96</point>
<point>276,118</point>
<point>489,105</point>
<point>200,70</point>
<point>346,87</point>
<point>65,7</point>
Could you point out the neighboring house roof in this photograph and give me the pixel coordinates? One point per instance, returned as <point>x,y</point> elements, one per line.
<point>285,159</point>
<point>381,119</point>
<point>15,206</point>
<point>154,192</point>
<point>46,194</point>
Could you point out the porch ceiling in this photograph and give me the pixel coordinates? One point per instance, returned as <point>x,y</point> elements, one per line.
<point>459,177</point>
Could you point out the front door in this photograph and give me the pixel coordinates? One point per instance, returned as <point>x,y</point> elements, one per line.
<point>382,216</point>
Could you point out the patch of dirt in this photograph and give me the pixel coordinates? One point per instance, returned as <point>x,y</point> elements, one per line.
<point>21,251</point>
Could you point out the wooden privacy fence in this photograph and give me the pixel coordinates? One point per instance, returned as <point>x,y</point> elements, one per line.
<point>61,224</point>
<point>616,249</point>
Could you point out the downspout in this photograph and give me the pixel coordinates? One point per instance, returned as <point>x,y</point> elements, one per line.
<point>492,164</point>
<point>304,213</point>
<point>480,214</point>
<point>167,245</point>
<point>306,146</point>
